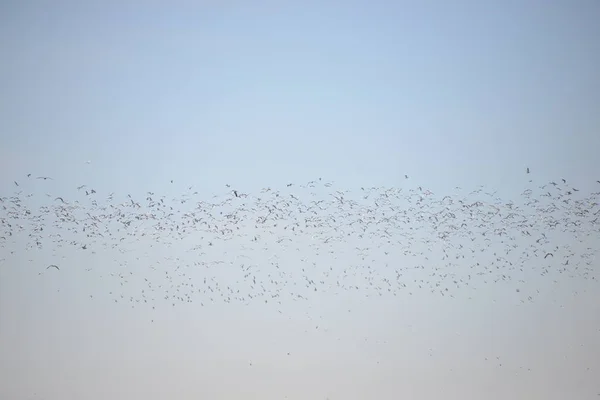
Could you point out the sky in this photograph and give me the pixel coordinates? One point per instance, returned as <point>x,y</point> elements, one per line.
<point>180,98</point>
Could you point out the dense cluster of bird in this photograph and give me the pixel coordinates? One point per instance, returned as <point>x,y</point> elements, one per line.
<point>312,238</point>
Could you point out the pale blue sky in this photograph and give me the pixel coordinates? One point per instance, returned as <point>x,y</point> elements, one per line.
<point>267,92</point>
<point>263,93</point>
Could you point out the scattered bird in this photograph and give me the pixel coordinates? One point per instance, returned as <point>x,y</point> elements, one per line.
<point>279,244</point>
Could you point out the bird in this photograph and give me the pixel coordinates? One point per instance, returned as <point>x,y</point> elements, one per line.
<point>282,216</point>
<point>43,177</point>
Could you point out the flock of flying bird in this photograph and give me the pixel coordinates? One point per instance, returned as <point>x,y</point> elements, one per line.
<point>306,239</point>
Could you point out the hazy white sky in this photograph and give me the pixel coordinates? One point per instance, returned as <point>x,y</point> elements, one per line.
<point>262,94</point>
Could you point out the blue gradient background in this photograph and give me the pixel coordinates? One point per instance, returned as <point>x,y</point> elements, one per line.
<point>263,93</point>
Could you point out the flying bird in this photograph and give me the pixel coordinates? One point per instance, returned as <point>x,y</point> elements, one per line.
<point>527,169</point>
<point>53,266</point>
<point>43,177</point>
